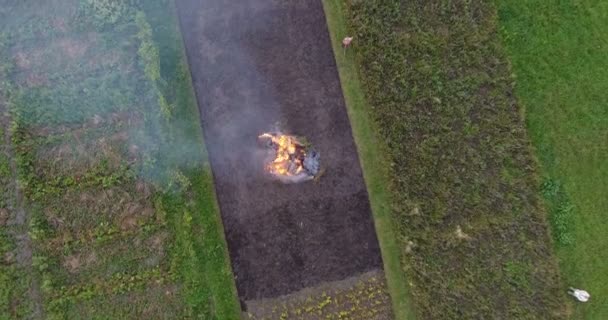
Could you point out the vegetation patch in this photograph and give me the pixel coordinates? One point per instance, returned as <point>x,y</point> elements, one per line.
<point>373,161</point>
<point>471,225</point>
<point>359,297</point>
<point>558,52</point>
<point>115,191</point>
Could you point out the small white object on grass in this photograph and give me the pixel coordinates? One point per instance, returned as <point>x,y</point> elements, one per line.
<point>346,41</point>
<point>580,295</point>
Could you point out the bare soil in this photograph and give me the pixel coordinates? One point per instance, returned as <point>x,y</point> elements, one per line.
<point>259,63</point>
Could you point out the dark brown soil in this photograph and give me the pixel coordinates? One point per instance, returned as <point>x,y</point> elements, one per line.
<point>254,64</point>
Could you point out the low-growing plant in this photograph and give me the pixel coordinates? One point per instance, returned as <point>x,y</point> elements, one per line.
<point>5,169</point>
<point>561,212</point>
<point>104,13</point>
<point>439,89</point>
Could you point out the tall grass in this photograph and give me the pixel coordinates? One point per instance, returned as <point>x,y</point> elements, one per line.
<point>472,232</point>
<point>372,160</point>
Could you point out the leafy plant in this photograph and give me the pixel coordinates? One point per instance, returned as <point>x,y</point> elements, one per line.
<point>107,12</point>
<point>5,169</point>
<point>550,188</point>
<point>561,212</point>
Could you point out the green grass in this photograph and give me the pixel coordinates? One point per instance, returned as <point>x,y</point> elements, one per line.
<point>14,281</point>
<point>558,51</point>
<point>118,193</point>
<point>215,290</point>
<point>462,183</point>
<point>370,154</point>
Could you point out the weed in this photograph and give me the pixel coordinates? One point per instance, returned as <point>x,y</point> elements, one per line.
<point>550,189</point>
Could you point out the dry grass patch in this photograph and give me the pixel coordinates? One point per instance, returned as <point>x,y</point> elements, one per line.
<point>363,297</point>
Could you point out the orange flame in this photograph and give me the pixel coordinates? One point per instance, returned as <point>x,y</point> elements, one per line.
<point>289,155</point>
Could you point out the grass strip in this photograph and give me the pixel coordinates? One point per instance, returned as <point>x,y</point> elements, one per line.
<point>201,238</point>
<point>372,160</point>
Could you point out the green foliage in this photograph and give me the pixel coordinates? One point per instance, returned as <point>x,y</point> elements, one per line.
<point>13,281</point>
<point>373,162</point>
<point>558,52</point>
<point>6,64</point>
<point>360,297</point>
<point>74,103</point>
<point>118,283</point>
<point>562,212</point>
<point>39,228</point>
<point>439,87</point>
<point>178,180</point>
<point>551,189</point>
<point>39,187</point>
<point>96,79</point>
<point>107,12</point>
<point>562,221</point>
<point>517,274</point>
<point>5,169</point>
<point>148,53</point>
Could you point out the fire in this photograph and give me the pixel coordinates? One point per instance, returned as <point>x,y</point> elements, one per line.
<point>290,160</point>
<point>290,154</point>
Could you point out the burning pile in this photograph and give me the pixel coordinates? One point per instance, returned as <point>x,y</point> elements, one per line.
<point>291,160</point>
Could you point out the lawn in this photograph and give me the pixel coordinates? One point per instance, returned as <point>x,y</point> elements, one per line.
<point>558,50</point>
<point>470,225</point>
<point>108,208</point>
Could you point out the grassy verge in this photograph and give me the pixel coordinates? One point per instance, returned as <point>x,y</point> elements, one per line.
<point>208,232</point>
<point>558,50</point>
<point>14,279</point>
<point>471,228</point>
<point>373,164</point>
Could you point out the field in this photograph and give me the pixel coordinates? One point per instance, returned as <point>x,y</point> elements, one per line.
<point>108,207</point>
<point>463,183</point>
<point>558,51</point>
<point>254,66</point>
<point>463,152</point>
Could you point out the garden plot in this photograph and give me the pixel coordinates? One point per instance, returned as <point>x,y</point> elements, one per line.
<point>140,305</point>
<point>257,64</point>
<point>108,218</point>
<point>78,167</point>
<point>361,297</point>
<point>130,254</point>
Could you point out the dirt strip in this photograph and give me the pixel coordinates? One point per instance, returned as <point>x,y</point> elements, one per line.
<point>256,64</point>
